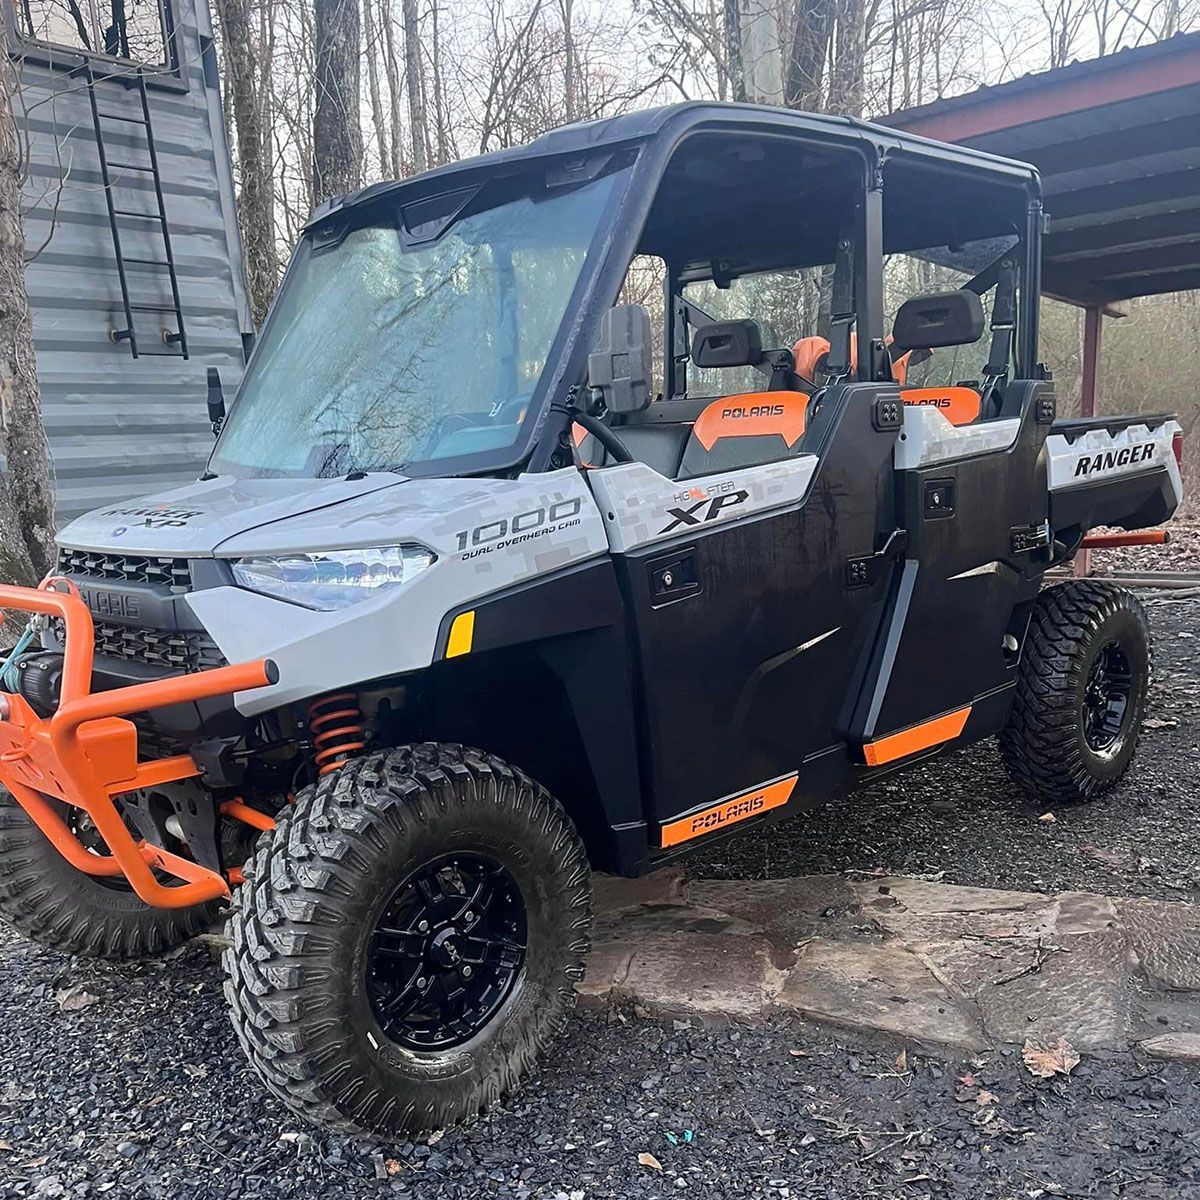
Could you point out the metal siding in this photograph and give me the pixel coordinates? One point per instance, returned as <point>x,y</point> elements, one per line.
<point>119,426</point>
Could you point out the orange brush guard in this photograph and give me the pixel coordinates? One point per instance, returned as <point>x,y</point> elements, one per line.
<point>86,753</point>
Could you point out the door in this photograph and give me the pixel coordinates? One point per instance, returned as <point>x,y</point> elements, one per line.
<point>754,598</point>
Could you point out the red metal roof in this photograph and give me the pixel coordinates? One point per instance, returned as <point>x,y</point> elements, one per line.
<point>1117,142</point>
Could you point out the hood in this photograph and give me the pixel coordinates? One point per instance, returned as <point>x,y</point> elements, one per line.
<point>193,521</point>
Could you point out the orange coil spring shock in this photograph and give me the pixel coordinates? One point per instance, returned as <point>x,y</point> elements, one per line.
<point>337,728</point>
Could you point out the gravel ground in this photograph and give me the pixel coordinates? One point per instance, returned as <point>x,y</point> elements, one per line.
<point>960,820</point>
<point>144,1094</point>
<point>138,1090</point>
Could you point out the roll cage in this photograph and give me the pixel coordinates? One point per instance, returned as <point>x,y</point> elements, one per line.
<point>894,181</point>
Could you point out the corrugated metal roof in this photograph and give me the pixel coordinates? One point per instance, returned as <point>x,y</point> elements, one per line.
<point>1117,142</point>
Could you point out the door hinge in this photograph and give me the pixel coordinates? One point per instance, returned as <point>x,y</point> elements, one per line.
<point>866,569</point>
<point>1030,537</point>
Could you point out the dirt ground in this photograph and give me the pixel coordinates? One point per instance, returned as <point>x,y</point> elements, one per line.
<point>139,1091</point>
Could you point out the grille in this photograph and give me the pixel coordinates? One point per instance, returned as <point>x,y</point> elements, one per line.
<point>180,651</point>
<point>175,573</point>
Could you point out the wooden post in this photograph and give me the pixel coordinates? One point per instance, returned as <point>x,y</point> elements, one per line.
<point>1093,324</point>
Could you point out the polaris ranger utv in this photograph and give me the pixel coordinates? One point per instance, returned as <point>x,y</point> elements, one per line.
<point>493,579</point>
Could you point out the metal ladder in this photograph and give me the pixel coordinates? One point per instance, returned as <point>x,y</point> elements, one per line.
<point>178,336</point>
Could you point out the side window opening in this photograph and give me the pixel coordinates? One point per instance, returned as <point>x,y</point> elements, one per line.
<point>130,30</point>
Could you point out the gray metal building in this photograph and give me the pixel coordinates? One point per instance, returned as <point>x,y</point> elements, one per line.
<point>135,273</point>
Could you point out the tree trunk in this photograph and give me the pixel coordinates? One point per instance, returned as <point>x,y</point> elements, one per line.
<point>337,131</point>
<point>256,198</point>
<point>416,88</point>
<point>27,490</point>
<point>733,51</point>
<point>371,49</point>
<point>806,63</point>
<point>391,63</point>
<point>847,78</point>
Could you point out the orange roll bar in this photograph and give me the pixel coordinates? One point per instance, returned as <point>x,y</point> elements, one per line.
<point>85,753</point>
<point>1138,537</point>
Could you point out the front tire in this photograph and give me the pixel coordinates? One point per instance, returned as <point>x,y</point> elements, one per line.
<point>1081,692</point>
<point>360,914</point>
<point>48,901</point>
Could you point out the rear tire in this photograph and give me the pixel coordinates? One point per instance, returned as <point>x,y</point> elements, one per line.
<point>1081,692</point>
<point>327,978</point>
<point>48,901</point>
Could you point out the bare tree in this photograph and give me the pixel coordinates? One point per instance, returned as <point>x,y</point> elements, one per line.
<point>337,130</point>
<point>244,68</point>
<point>415,81</point>
<point>382,143</point>
<point>27,487</point>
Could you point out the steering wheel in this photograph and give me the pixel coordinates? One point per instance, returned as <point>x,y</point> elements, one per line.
<point>604,435</point>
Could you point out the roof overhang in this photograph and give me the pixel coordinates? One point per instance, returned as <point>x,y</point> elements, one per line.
<point>1117,143</point>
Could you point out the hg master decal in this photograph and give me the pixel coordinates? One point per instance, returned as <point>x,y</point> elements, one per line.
<point>1109,460</point>
<point>158,516</point>
<point>699,504</point>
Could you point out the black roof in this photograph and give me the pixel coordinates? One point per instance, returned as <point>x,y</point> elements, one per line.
<point>634,128</point>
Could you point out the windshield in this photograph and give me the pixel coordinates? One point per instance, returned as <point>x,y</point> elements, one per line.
<point>379,355</point>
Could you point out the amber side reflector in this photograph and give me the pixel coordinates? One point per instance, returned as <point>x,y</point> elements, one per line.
<point>916,737</point>
<point>730,811</point>
<point>462,635</point>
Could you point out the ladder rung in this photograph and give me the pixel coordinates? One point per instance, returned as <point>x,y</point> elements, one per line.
<point>124,166</point>
<point>159,354</point>
<point>129,212</point>
<point>148,262</point>
<point>121,117</point>
<point>153,308</point>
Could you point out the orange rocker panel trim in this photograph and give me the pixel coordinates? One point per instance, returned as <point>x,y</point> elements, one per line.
<point>86,753</point>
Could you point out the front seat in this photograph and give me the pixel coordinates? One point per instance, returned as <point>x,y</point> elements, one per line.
<point>745,430</point>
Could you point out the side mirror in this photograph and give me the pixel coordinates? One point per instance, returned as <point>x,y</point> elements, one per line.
<point>621,362</point>
<point>728,344</point>
<point>939,319</point>
<point>216,400</point>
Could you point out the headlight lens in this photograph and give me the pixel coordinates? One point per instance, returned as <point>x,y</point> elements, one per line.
<point>332,579</point>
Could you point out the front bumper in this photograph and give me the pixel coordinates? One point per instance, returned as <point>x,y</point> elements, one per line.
<point>86,753</point>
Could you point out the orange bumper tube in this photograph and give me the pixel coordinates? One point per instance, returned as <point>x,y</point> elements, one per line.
<point>85,753</point>
<point>1137,537</point>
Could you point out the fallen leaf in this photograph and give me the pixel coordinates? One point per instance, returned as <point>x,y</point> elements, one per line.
<point>985,1097</point>
<point>34,1162</point>
<point>902,1061</point>
<point>75,998</point>
<point>798,1053</point>
<point>1159,723</point>
<point>6,1147</point>
<point>648,1160</point>
<point>1048,818</point>
<point>1053,1058</point>
<point>968,1080</point>
<point>393,1166</point>
<point>435,1137</point>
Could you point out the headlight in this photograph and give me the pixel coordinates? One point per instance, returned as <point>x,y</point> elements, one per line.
<point>330,579</point>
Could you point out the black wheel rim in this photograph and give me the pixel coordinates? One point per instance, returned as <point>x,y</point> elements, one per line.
<point>446,951</point>
<point>1106,698</point>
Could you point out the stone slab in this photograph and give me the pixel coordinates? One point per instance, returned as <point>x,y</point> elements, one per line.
<point>1184,1047</point>
<point>884,988</point>
<point>937,963</point>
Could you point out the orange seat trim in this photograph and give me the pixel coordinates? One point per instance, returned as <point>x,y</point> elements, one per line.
<point>959,405</point>
<point>753,414</point>
<point>917,737</point>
